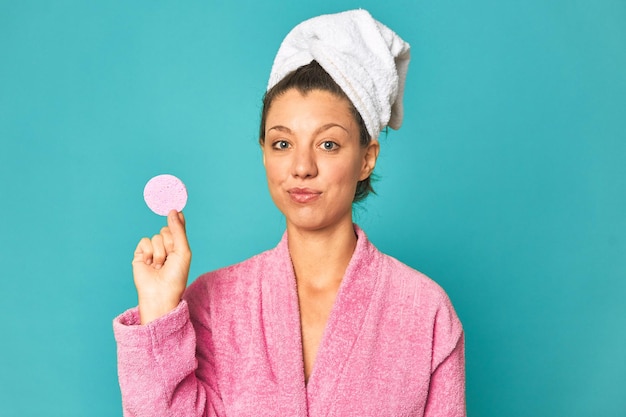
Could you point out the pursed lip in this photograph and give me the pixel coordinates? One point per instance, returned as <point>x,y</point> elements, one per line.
<point>303,195</point>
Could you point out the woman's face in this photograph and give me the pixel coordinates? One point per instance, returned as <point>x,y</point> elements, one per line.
<point>313,158</point>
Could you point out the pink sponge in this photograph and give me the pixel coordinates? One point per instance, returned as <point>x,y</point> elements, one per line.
<point>164,193</point>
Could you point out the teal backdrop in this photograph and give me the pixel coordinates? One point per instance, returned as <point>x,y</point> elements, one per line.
<point>506,184</point>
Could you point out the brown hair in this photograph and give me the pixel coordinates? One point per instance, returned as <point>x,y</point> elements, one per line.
<point>313,77</point>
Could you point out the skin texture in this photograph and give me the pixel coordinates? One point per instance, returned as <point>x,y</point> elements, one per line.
<point>313,161</point>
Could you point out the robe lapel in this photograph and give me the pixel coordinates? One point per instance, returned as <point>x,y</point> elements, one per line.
<point>343,327</point>
<point>282,326</point>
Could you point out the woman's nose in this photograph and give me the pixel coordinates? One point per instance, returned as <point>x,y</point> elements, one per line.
<point>304,165</point>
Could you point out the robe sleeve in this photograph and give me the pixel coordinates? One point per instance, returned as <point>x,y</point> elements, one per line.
<point>157,367</point>
<point>446,394</point>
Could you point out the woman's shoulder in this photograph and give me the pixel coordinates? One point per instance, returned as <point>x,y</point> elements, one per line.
<point>241,273</point>
<point>242,279</point>
<point>400,280</point>
<point>412,291</point>
<point>414,287</point>
<point>402,274</point>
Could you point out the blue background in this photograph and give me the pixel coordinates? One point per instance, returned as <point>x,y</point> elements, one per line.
<point>506,184</point>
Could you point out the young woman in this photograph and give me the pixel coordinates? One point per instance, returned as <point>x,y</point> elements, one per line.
<point>323,324</point>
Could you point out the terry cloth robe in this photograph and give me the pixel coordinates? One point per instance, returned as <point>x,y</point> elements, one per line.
<point>393,346</point>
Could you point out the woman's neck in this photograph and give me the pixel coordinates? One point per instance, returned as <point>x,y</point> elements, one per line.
<point>320,257</point>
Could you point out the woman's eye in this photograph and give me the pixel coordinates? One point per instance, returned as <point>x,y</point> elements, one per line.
<point>329,145</point>
<point>280,144</point>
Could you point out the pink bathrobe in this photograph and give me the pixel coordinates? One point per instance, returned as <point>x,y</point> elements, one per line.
<point>393,346</point>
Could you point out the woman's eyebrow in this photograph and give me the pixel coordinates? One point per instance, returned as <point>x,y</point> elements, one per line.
<point>280,128</point>
<point>330,126</point>
<point>319,130</point>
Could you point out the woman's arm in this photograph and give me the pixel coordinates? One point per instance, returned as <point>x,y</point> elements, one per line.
<point>157,367</point>
<point>157,359</point>
<point>446,394</point>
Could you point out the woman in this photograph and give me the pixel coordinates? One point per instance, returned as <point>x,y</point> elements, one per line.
<point>323,324</point>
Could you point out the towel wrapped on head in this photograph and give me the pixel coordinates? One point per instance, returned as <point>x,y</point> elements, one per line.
<point>364,57</point>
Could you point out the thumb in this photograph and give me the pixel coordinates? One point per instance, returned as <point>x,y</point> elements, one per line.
<point>176,224</point>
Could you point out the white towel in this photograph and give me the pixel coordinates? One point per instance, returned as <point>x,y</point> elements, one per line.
<point>364,57</point>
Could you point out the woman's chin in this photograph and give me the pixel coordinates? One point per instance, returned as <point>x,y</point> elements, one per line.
<point>316,223</point>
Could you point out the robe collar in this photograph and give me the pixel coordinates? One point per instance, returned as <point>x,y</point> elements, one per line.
<point>344,325</point>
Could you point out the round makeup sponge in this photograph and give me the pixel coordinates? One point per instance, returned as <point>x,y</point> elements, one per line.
<point>164,193</point>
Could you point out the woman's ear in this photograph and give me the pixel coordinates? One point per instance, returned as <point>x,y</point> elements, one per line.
<point>262,151</point>
<point>369,159</point>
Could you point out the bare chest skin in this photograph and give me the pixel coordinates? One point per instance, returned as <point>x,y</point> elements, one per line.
<point>315,307</point>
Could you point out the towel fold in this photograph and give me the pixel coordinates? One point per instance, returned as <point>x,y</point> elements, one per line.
<point>364,57</point>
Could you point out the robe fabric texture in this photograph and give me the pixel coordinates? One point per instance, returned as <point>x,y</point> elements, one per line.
<point>393,346</point>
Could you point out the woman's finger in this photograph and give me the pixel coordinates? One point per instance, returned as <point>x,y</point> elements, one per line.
<point>143,252</point>
<point>159,254</point>
<point>176,224</point>
<point>168,240</point>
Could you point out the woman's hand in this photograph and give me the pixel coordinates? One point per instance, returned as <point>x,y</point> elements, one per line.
<point>161,269</point>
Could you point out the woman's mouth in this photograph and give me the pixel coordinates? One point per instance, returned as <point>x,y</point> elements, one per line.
<point>303,195</point>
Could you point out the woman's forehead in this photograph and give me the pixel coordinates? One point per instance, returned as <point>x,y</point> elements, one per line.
<point>318,101</point>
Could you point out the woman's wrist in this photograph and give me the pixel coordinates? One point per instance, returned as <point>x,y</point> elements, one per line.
<point>150,310</point>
